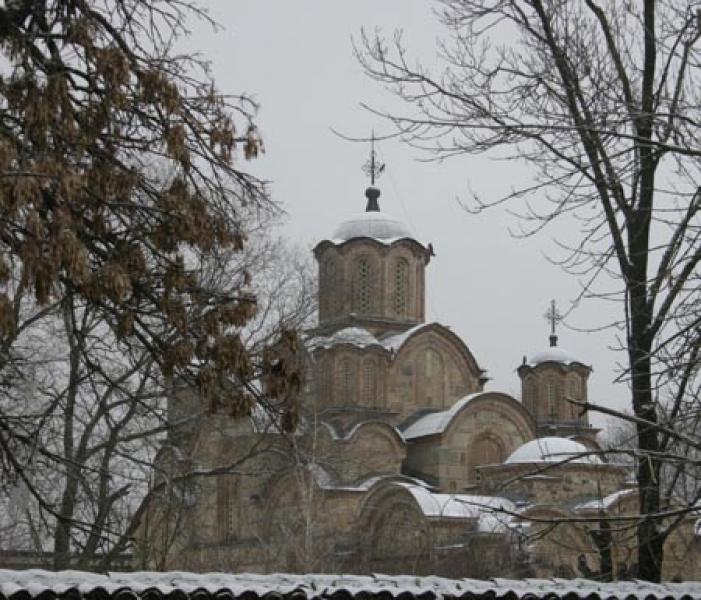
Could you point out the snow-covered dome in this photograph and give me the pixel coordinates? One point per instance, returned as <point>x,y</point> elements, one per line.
<point>552,450</point>
<point>553,354</point>
<point>372,224</point>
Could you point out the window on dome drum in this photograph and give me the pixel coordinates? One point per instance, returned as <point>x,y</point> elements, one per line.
<point>401,284</point>
<point>362,286</point>
<point>552,398</point>
<point>574,391</point>
<point>325,380</point>
<point>573,388</point>
<point>529,394</point>
<point>370,383</point>
<point>329,289</point>
<point>346,381</point>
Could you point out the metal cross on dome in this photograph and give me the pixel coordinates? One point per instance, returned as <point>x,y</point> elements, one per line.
<point>372,167</point>
<point>553,316</point>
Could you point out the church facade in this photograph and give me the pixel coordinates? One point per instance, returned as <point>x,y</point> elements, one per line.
<point>403,462</point>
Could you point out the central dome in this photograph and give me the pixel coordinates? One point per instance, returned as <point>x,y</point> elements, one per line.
<point>372,224</point>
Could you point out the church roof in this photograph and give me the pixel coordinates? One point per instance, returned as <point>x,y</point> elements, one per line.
<point>362,338</point>
<point>355,336</point>
<point>553,354</point>
<point>552,450</point>
<point>372,224</point>
<point>437,422</point>
<point>494,513</point>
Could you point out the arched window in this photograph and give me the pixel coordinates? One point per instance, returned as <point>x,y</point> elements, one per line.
<point>325,379</point>
<point>346,381</point>
<point>370,383</point>
<point>529,394</point>
<point>228,490</point>
<point>485,450</point>
<point>362,286</point>
<point>574,392</point>
<point>401,285</point>
<point>552,398</point>
<point>433,379</point>
<point>330,288</point>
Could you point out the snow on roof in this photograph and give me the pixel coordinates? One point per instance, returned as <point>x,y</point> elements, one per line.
<point>351,432</point>
<point>33,583</point>
<point>605,503</point>
<point>355,336</point>
<point>552,450</point>
<point>394,342</point>
<point>372,224</point>
<point>463,506</point>
<point>362,338</point>
<point>437,422</point>
<point>553,354</point>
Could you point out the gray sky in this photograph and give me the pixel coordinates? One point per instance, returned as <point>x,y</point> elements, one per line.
<point>296,60</point>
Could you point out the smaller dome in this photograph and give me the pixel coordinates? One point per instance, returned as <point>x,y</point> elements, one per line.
<point>372,224</point>
<point>553,354</point>
<point>552,450</point>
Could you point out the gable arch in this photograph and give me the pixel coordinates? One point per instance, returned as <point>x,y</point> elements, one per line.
<point>378,429</point>
<point>486,448</point>
<point>505,405</point>
<point>450,339</point>
<point>431,368</point>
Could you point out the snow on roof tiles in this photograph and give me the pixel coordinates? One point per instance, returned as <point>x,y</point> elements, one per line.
<point>355,336</point>
<point>362,338</point>
<point>552,450</point>
<point>436,422</point>
<point>26,585</point>
<point>394,342</point>
<point>492,512</point>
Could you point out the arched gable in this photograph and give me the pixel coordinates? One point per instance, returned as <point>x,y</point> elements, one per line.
<point>371,448</point>
<point>508,408</point>
<point>431,368</point>
<point>450,341</point>
<point>381,496</point>
<point>380,429</point>
<point>391,526</point>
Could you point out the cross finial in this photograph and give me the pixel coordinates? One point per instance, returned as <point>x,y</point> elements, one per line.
<point>373,168</point>
<point>553,316</point>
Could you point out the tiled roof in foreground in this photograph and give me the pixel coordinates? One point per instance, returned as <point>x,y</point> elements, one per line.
<point>77,585</point>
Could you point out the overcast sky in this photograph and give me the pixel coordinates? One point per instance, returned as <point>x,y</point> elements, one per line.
<point>296,59</point>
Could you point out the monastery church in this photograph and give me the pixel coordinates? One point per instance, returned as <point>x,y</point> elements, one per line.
<point>402,462</point>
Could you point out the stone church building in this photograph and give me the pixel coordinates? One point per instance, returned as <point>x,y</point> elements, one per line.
<point>403,461</point>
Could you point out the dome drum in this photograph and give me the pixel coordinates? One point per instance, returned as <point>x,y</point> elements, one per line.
<point>371,273</point>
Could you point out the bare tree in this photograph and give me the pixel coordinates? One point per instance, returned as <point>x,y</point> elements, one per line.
<point>601,99</point>
<point>106,265</point>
